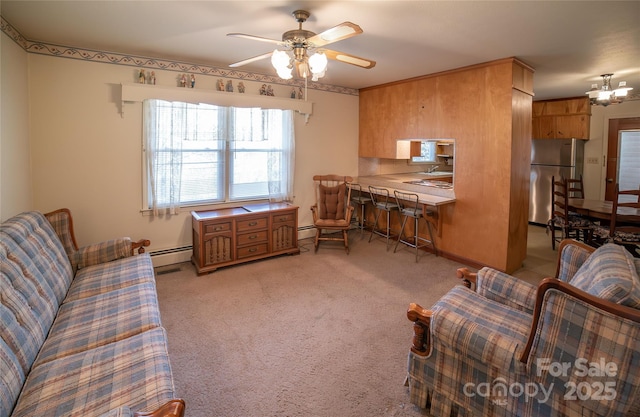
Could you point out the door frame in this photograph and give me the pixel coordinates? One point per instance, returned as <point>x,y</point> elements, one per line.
<point>611,174</point>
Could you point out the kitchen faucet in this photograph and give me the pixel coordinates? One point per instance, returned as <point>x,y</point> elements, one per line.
<point>430,170</point>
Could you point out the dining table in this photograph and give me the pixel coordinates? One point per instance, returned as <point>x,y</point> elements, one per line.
<point>598,209</point>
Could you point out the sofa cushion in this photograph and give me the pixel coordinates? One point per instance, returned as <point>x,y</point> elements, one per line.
<point>134,372</point>
<point>102,278</point>
<point>31,242</point>
<point>90,322</point>
<point>11,379</point>
<point>27,310</point>
<point>475,326</point>
<point>610,273</point>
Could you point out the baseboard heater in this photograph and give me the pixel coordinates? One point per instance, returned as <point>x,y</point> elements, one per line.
<point>179,254</point>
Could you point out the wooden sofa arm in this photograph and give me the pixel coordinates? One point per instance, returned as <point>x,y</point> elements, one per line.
<point>139,245</point>
<point>174,408</point>
<point>421,319</point>
<point>467,276</point>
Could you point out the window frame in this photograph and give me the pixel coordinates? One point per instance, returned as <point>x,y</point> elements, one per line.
<point>227,171</point>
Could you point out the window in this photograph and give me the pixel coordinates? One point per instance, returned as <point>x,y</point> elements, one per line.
<point>202,153</point>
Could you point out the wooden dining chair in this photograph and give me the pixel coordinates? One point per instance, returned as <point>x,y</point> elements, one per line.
<point>575,187</point>
<point>625,225</point>
<point>570,225</point>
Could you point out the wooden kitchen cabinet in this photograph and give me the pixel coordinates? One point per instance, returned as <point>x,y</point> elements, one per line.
<point>387,114</point>
<point>234,235</point>
<point>561,119</point>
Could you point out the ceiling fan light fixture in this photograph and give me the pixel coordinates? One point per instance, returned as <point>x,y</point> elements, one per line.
<point>606,95</point>
<point>281,62</point>
<point>318,64</point>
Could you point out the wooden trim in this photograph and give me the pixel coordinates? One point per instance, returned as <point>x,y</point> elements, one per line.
<point>548,284</point>
<point>173,408</point>
<point>453,71</point>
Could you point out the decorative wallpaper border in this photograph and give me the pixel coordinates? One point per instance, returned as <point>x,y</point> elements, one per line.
<point>154,63</point>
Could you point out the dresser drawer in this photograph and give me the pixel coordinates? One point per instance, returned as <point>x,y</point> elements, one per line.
<point>251,224</point>
<point>213,227</point>
<point>252,238</point>
<point>253,250</point>
<point>283,217</point>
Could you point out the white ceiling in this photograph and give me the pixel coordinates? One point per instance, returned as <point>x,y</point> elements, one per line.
<point>569,43</point>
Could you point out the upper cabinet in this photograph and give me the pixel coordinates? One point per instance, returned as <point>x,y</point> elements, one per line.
<point>561,119</point>
<point>387,114</point>
<point>437,106</point>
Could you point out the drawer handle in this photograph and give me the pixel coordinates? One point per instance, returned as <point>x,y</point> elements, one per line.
<point>253,250</point>
<point>218,228</point>
<point>253,236</point>
<point>282,219</point>
<point>253,223</point>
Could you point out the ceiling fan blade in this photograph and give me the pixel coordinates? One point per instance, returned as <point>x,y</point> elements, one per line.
<point>255,38</point>
<point>250,60</point>
<point>337,33</point>
<point>349,59</point>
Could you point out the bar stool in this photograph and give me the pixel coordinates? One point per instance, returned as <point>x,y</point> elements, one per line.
<point>358,198</point>
<point>380,200</point>
<point>409,207</point>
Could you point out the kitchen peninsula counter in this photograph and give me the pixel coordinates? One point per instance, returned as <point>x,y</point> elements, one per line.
<point>427,195</point>
<point>432,196</point>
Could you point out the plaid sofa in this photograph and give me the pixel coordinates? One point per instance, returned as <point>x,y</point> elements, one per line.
<point>567,347</point>
<point>81,332</point>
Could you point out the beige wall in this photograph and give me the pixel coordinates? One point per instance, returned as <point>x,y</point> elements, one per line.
<point>15,168</point>
<point>596,146</point>
<point>87,156</point>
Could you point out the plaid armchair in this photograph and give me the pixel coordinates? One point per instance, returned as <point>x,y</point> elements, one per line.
<point>567,347</point>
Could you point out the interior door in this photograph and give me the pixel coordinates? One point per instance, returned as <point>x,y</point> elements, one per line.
<point>615,127</point>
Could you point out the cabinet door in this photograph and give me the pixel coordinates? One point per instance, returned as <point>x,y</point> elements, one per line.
<point>427,97</point>
<point>543,127</point>
<point>386,115</point>
<point>284,231</point>
<point>576,126</point>
<point>217,249</point>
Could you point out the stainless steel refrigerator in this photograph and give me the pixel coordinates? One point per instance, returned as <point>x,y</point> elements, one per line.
<point>549,158</point>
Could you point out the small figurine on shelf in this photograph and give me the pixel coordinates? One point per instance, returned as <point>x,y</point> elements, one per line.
<point>183,81</point>
<point>220,85</point>
<point>293,92</point>
<point>141,77</point>
<point>229,87</point>
<point>152,78</point>
<point>270,91</point>
<point>193,80</point>
<point>240,87</point>
<point>300,96</point>
<point>263,90</point>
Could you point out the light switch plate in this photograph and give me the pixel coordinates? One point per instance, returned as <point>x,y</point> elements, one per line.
<point>592,160</point>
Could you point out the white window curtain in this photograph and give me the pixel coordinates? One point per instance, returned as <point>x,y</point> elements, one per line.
<point>163,168</point>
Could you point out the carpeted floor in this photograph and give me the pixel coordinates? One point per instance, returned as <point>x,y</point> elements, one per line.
<point>318,334</point>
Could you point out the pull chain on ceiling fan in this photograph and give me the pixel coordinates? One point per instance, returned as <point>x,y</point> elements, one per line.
<point>300,43</point>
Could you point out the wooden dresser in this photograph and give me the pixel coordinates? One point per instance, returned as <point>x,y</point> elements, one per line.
<point>234,235</point>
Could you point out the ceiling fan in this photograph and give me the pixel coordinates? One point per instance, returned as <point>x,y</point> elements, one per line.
<point>303,42</point>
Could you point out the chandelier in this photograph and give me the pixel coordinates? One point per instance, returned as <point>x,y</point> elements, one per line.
<point>314,65</point>
<point>606,95</point>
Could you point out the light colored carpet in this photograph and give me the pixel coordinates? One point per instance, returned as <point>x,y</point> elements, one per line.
<point>317,334</point>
